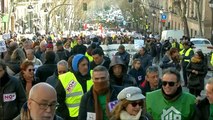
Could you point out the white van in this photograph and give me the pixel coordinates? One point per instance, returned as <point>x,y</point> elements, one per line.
<point>175,34</point>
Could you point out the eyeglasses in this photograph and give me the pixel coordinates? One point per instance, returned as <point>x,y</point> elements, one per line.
<point>134,104</point>
<point>171,84</point>
<point>44,106</point>
<point>31,70</point>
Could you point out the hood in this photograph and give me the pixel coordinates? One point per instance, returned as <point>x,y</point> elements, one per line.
<point>116,60</point>
<point>76,60</point>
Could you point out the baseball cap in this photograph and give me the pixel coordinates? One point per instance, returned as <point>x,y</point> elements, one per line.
<point>131,94</point>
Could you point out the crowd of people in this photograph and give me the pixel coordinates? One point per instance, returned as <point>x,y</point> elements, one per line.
<point>65,79</point>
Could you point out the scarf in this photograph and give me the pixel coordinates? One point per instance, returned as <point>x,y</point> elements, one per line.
<point>173,96</point>
<point>126,116</point>
<point>98,90</point>
<point>195,60</point>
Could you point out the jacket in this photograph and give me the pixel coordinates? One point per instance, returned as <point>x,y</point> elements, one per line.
<point>167,62</point>
<point>187,55</point>
<point>87,102</point>
<point>25,111</point>
<point>46,70</point>
<point>63,54</point>
<point>53,79</point>
<point>139,75</point>
<point>126,79</point>
<point>196,80</point>
<point>203,107</point>
<point>12,97</point>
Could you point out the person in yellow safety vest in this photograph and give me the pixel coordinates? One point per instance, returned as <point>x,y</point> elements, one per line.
<point>88,53</point>
<point>187,53</point>
<point>211,59</point>
<point>74,42</point>
<point>72,86</point>
<point>175,44</point>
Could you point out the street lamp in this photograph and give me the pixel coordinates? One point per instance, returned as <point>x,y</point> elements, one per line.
<point>153,25</point>
<point>211,6</point>
<point>30,10</point>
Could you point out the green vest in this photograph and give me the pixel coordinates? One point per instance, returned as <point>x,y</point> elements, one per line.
<point>161,109</point>
<point>74,92</point>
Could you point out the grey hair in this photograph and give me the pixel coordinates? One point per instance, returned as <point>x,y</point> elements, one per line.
<point>100,68</point>
<point>152,69</point>
<point>63,63</point>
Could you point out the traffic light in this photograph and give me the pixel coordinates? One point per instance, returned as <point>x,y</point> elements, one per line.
<point>130,1</point>
<point>84,6</point>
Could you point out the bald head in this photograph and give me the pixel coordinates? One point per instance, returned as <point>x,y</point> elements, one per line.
<point>41,88</point>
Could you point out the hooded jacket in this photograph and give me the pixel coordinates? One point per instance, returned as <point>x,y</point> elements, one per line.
<point>125,80</point>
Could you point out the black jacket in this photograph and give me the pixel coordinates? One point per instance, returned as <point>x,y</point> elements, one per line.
<point>203,109</point>
<point>139,75</point>
<point>46,70</point>
<point>79,49</point>
<point>196,80</point>
<point>146,60</point>
<point>87,102</point>
<point>10,106</point>
<point>63,54</point>
<point>53,79</point>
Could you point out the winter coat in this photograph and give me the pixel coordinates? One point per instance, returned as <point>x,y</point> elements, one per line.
<point>87,102</point>
<point>46,70</point>
<point>63,54</point>
<point>25,111</point>
<point>203,107</point>
<point>167,62</point>
<point>196,80</point>
<point>12,97</point>
<point>126,79</point>
<point>53,80</point>
<point>139,75</point>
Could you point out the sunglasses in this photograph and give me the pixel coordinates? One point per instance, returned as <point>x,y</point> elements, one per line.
<point>134,104</point>
<point>171,84</point>
<point>31,70</point>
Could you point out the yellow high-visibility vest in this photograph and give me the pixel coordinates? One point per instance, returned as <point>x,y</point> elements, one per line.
<point>181,46</point>
<point>74,92</point>
<point>89,57</point>
<point>211,59</point>
<point>187,54</point>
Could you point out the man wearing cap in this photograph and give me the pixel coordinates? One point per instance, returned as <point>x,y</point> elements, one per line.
<point>171,102</point>
<point>97,102</point>
<point>123,54</point>
<point>62,53</point>
<point>72,86</point>
<point>187,53</point>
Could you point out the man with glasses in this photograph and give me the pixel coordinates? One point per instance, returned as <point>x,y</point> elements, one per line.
<point>171,102</point>
<point>40,106</point>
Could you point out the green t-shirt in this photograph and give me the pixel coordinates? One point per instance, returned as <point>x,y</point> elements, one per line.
<point>102,101</point>
<point>211,112</point>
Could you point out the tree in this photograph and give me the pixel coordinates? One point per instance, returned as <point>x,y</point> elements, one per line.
<point>181,6</point>
<point>198,3</point>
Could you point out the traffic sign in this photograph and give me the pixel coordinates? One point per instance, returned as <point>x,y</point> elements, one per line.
<point>163,17</point>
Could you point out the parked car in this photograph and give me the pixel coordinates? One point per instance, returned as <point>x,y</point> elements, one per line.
<point>175,34</point>
<point>206,47</point>
<point>202,44</point>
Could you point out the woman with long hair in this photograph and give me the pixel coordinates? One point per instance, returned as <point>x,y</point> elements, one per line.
<point>130,105</point>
